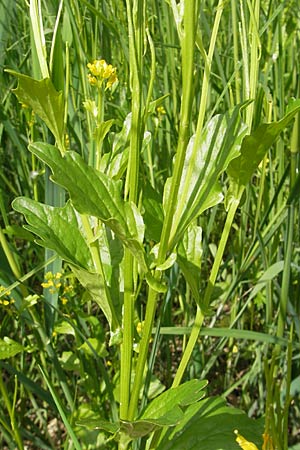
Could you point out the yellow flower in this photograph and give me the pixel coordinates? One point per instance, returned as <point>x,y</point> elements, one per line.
<point>243,443</point>
<point>161,110</point>
<point>235,349</point>
<point>2,288</point>
<point>68,288</point>
<point>92,80</point>
<point>47,284</point>
<point>49,276</point>
<point>139,327</point>
<point>101,71</point>
<point>112,79</point>
<point>64,300</point>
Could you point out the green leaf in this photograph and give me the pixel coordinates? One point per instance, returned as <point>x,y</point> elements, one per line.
<point>98,424</point>
<point>95,286</point>
<point>114,163</point>
<point>189,258</point>
<point>64,327</point>
<point>199,187</point>
<point>45,101</point>
<point>155,284</point>
<point>58,228</point>
<point>69,361</point>
<point>9,348</point>
<point>210,425</point>
<point>102,129</point>
<point>153,213</point>
<point>95,194</point>
<point>183,395</point>
<point>253,149</point>
<point>139,428</point>
<point>98,347</point>
<point>268,275</point>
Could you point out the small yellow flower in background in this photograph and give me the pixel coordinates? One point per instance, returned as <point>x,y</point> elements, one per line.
<point>139,327</point>
<point>67,140</point>
<point>52,282</point>
<point>68,289</point>
<point>2,288</point>
<point>243,443</point>
<point>101,71</point>
<point>64,300</point>
<point>6,300</point>
<point>47,284</point>
<point>160,110</point>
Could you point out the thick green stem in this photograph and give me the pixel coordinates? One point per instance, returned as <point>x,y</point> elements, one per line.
<point>127,344</point>
<point>188,46</point>
<point>143,351</point>
<point>135,13</point>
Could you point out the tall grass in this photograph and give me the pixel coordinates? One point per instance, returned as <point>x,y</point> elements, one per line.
<point>193,281</point>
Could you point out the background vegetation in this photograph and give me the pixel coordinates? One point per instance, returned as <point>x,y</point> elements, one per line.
<point>69,369</point>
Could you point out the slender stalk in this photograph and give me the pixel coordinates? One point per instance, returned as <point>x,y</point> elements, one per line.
<point>187,48</point>
<point>135,14</point>
<point>255,50</point>
<point>236,51</point>
<point>52,354</point>
<point>188,45</point>
<point>94,249</point>
<point>11,412</point>
<point>207,295</point>
<point>201,116</point>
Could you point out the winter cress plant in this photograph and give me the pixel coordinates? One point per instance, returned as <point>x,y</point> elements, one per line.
<point>124,241</point>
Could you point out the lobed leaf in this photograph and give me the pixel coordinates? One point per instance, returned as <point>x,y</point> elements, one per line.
<point>95,286</point>
<point>199,188</point>
<point>253,149</point>
<point>57,228</point>
<point>45,101</point>
<point>94,193</point>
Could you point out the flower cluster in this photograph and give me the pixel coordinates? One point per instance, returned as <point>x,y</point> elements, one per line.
<point>52,282</point>
<point>100,72</point>
<point>57,284</point>
<point>6,300</point>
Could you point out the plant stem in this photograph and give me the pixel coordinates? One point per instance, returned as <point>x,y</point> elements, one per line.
<point>135,14</point>
<point>143,351</point>
<point>94,249</point>
<point>11,412</point>
<point>188,46</point>
<point>207,295</point>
